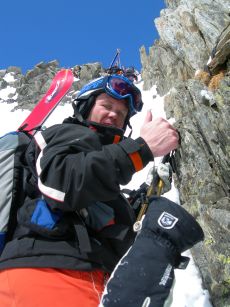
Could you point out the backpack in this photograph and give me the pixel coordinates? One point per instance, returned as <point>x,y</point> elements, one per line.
<point>17,172</point>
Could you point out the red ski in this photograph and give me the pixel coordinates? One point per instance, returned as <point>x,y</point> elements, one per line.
<point>60,85</point>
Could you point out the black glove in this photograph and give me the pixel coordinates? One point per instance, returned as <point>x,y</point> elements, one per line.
<point>145,274</point>
<point>173,223</point>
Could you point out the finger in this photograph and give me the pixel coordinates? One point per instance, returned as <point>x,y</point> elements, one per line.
<point>148,117</point>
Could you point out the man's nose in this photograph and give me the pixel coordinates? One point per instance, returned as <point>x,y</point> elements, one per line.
<point>113,114</point>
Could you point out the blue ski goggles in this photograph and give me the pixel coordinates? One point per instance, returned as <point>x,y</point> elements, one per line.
<point>121,87</point>
<point>118,87</point>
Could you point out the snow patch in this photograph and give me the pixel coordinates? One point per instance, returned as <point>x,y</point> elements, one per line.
<point>9,77</point>
<point>188,291</point>
<point>5,92</point>
<point>209,60</point>
<point>10,121</point>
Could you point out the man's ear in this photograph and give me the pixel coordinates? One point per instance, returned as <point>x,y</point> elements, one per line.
<point>86,106</point>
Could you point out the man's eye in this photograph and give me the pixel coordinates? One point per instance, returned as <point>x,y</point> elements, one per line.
<point>106,106</point>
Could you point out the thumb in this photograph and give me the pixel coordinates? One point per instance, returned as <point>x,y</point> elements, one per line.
<point>148,117</point>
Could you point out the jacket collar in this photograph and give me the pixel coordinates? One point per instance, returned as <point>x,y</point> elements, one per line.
<point>107,134</point>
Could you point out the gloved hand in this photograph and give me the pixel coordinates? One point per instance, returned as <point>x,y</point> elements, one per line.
<point>173,223</point>
<point>162,171</point>
<point>145,274</point>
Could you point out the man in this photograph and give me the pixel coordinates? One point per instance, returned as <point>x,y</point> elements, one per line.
<point>73,230</point>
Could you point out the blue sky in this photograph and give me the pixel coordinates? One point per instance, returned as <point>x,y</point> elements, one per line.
<point>76,31</point>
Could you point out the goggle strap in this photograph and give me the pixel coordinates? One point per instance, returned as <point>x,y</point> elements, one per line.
<point>131,129</point>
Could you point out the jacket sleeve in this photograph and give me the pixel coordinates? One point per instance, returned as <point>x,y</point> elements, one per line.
<point>74,169</point>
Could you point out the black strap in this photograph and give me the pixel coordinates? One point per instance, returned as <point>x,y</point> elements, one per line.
<point>83,238</point>
<point>81,233</point>
<point>22,128</point>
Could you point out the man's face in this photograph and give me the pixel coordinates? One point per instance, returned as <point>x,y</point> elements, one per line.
<point>109,111</point>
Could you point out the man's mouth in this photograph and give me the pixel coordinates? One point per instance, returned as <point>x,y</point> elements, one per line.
<point>108,124</point>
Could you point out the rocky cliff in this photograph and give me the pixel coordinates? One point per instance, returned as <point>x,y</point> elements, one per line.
<point>190,64</point>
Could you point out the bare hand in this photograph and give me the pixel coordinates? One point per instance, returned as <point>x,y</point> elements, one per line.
<point>160,136</point>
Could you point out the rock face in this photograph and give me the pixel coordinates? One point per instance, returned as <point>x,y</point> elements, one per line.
<point>191,64</point>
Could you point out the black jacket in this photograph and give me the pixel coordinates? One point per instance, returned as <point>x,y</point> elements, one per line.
<point>80,170</point>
